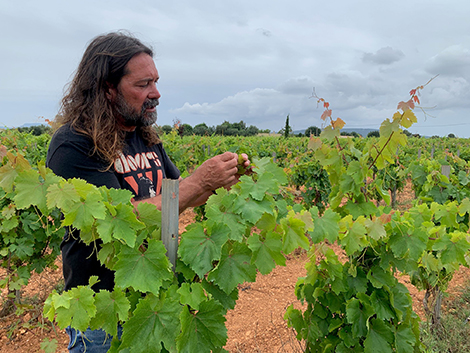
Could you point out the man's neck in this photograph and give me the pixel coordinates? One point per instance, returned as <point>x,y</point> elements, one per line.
<point>124,127</point>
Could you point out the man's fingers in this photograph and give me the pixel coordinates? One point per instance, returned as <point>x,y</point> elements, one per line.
<point>227,156</point>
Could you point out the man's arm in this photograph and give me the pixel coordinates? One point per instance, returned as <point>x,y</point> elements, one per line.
<point>219,171</point>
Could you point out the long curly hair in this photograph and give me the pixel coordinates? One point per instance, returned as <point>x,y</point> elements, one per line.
<point>85,105</point>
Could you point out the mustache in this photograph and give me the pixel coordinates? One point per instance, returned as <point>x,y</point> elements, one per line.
<point>150,103</point>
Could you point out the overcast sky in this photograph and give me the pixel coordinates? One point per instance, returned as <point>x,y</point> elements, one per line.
<point>255,61</point>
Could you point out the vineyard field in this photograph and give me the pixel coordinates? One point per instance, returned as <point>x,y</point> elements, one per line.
<point>255,325</point>
<point>328,242</point>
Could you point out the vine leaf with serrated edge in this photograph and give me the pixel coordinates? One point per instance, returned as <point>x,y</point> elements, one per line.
<point>153,320</point>
<point>294,234</point>
<point>204,330</point>
<point>199,247</point>
<point>121,225</point>
<point>234,267</point>
<point>111,307</point>
<point>219,210</point>
<point>266,251</point>
<point>144,271</point>
<point>326,226</point>
<point>379,337</point>
<point>89,208</point>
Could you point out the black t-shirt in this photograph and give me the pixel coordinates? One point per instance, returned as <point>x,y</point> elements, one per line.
<point>139,169</point>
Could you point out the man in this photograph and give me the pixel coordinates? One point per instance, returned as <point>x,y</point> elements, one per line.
<point>106,138</point>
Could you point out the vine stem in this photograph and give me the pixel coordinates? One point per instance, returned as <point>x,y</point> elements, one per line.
<point>380,152</point>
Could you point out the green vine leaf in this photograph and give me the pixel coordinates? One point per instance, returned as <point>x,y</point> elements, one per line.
<point>219,210</point>
<point>90,207</point>
<point>144,271</point>
<point>294,235</point>
<point>149,215</point>
<point>111,307</point>
<point>326,226</point>
<point>192,294</point>
<point>358,314</point>
<point>454,247</point>
<point>379,338</point>
<point>203,331</point>
<point>121,225</point>
<point>266,251</point>
<point>199,248</point>
<point>152,323</point>
<point>234,267</point>
<point>62,195</point>
<point>355,238</point>
<point>31,189</point>
<point>75,307</point>
<point>405,339</point>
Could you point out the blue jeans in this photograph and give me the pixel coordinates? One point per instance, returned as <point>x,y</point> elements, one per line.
<point>90,341</point>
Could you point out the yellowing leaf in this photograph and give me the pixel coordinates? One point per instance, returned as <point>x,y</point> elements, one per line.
<point>329,133</point>
<point>314,143</point>
<point>408,119</point>
<point>338,123</point>
<point>396,116</point>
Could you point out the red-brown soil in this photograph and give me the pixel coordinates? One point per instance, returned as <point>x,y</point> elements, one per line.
<point>255,325</point>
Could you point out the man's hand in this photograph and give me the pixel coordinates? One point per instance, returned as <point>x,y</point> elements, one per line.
<point>219,171</point>
<point>243,165</point>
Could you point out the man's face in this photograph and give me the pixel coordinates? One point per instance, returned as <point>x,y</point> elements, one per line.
<point>136,96</point>
<point>129,116</point>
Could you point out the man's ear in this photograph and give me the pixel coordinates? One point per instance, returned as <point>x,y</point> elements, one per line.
<point>111,92</point>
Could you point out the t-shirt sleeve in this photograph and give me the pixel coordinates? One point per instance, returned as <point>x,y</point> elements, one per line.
<point>68,156</point>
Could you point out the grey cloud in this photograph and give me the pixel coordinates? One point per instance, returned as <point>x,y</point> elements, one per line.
<point>453,61</point>
<point>447,92</point>
<point>265,108</point>
<point>383,56</point>
<point>299,85</point>
<point>264,32</point>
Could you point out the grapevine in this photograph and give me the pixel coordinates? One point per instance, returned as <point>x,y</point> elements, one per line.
<point>359,305</point>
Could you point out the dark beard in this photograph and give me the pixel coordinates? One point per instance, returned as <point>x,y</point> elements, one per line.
<point>131,117</point>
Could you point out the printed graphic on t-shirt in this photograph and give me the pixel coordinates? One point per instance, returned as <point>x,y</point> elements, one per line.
<point>142,172</point>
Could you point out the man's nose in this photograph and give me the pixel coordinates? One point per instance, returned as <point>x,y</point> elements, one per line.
<point>154,93</point>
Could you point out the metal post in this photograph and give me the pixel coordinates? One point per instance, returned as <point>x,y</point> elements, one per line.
<point>170,218</point>
<point>445,170</point>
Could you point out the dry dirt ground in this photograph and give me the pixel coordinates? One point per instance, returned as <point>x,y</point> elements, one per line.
<point>255,325</point>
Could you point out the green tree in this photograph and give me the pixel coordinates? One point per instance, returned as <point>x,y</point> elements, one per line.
<point>36,130</point>
<point>221,129</point>
<point>355,134</point>
<point>166,129</point>
<point>374,133</point>
<point>201,129</point>
<point>187,129</point>
<point>287,128</point>
<point>252,130</point>
<point>312,130</point>
<point>235,129</point>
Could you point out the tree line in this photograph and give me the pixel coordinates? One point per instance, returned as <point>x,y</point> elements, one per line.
<point>224,129</point>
